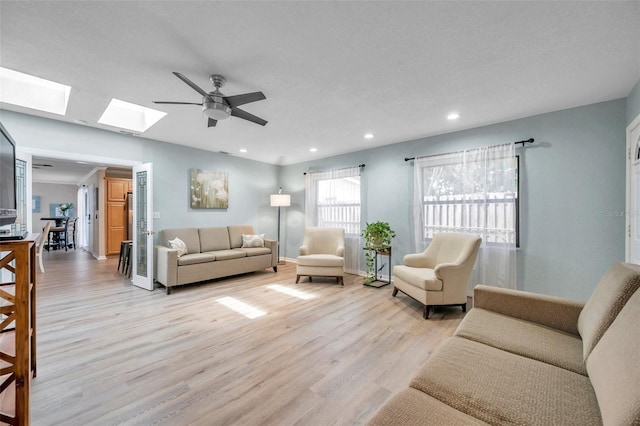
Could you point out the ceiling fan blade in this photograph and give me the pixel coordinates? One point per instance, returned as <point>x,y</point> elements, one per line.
<point>237,112</point>
<point>176,103</point>
<point>211,122</point>
<point>192,84</point>
<point>238,100</point>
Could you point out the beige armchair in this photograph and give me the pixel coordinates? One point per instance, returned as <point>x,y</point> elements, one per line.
<point>440,274</point>
<point>322,254</point>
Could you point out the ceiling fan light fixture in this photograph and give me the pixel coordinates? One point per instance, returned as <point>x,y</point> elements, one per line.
<point>215,110</point>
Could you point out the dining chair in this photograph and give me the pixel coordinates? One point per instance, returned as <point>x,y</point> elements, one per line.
<point>44,237</point>
<point>60,235</point>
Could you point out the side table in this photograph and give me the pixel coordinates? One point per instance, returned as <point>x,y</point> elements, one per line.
<point>380,253</point>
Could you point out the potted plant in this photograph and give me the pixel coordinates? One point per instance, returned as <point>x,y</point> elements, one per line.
<point>377,239</point>
<point>64,207</point>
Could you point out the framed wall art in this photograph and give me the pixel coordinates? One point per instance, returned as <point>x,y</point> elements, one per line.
<point>209,189</point>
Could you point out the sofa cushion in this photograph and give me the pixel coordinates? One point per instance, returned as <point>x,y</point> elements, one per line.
<point>250,240</point>
<point>188,235</point>
<point>614,367</point>
<point>610,295</point>
<point>502,388</point>
<point>192,259</point>
<point>178,245</point>
<point>229,254</point>
<point>524,338</point>
<point>423,278</point>
<point>412,407</point>
<point>212,239</point>
<point>235,234</point>
<point>255,251</point>
<point>326,260</point>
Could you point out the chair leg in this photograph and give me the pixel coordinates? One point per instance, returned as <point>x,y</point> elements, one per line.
<point>341,281</point>
<point>40,262</point>
<point>275,269</point>
<point>310,280</point>
<point>395,291</point>
<point>297,279</point>
<point>426,312</point>
<point>464,307</point>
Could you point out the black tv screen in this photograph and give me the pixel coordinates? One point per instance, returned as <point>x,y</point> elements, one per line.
<point>8,206</point>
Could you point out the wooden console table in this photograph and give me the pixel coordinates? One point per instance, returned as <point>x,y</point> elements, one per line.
<point>17,329</point>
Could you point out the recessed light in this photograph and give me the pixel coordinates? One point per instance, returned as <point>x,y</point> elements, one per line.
<point>368,136</point>
<point>313,149</point>
<point>453,116</point>
<point>243,150</point>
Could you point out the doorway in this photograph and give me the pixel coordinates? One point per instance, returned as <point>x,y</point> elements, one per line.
<point>632,222</point>
<point>74,170</point>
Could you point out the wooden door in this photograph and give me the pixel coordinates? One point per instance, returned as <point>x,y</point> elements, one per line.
<point>116,213</point>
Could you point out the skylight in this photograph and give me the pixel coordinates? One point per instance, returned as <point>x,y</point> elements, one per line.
<point>130,116</point>
<point>27,91</point>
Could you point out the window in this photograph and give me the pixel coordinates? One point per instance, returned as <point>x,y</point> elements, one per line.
<point>473,192</point>
<point>333,201</point>
<point>478,205</point>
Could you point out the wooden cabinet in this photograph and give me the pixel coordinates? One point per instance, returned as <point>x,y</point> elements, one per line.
<point>116,212</point>
<point>17,330</point>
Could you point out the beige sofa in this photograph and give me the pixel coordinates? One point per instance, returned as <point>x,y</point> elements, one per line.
<point>528,359</point>
<point>211,253</point>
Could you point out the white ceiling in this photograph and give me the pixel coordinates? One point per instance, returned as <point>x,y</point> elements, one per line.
<point>331,71</point>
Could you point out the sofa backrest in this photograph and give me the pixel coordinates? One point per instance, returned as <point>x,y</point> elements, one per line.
<point>614,367</point>
<point>235,234</point>
<point>188,235</point>
<point>215,238</point>
<point>611,294</point>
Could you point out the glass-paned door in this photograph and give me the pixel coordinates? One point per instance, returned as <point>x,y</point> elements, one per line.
<point>142,273</point>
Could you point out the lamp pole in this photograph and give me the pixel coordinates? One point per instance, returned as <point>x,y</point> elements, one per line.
<point>280,200</point>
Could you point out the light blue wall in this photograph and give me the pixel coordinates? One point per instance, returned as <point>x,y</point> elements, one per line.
<point>572,192</point>
<point>250,182</point>
<point>572,186</point>
<point>633,103</point>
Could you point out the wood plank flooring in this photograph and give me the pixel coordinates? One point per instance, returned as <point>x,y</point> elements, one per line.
<point>110,353</point>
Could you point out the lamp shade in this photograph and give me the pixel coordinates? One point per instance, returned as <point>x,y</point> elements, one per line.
<point>280,200</point>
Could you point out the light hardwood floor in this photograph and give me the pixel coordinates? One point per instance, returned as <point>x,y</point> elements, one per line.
<point>110,353</point>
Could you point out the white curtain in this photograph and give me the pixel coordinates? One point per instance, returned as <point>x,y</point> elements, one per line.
<point>332,200</point>
<point>475,192</point>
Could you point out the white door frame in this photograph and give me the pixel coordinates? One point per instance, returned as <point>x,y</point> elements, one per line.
<point>87,158</point>
<point>629,214</point>
<point>141,256</point>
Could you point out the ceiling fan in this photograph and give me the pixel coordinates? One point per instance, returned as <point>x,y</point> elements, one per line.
<point>216,106</point>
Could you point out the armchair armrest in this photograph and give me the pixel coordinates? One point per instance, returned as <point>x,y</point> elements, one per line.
<point>551,311</point>
<point>340,251</point>
<point>416,260</point>
<point>304,250</point>
<point>166,265</point>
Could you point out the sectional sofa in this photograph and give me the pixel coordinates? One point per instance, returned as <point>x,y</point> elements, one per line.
<point>210,253</point>
<point>520,358</point>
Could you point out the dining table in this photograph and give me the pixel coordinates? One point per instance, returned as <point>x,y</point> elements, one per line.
<point>58,219</point>
<point>60,223</point>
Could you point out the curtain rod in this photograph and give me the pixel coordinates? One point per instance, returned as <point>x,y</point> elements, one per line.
<point>530,140</point>
<point>335,170</point>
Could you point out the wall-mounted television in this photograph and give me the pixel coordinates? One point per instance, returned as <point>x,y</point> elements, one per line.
<point>8,205</point>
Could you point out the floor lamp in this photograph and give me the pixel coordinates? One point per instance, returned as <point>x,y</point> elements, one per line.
<point>280,200</point>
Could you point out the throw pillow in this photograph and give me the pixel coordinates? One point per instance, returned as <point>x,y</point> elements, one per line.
<point>178,244</point>
<point>249,240</point>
